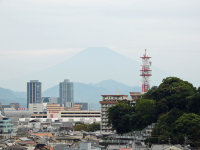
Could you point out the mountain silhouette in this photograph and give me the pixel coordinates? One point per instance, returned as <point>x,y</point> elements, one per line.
<point>83,92</point>
<point>8,96</point>
<point>94,65</point>
<point>91,65</point>
<point>91,93</point>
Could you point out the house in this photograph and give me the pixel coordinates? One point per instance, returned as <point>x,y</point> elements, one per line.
<point>167,147</point>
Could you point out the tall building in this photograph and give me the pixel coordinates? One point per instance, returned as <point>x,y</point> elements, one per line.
<point>34,91</point>
<point>66,94</point>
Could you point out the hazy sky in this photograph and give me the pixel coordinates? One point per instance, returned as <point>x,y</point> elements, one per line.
<point>36,34</point>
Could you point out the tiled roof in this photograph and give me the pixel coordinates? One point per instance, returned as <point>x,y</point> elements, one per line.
<point>108,102</point>
<point>42,134</point>
<point>114,95</point>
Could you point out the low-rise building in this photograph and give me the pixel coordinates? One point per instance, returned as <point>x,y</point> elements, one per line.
<point>5,125</point>
<point>76,107</point>
<point>54,110</point>
<point>39,115</point>
<point>36,108</point>
<point>167,147</point>
<point>135,95</point>
<point>81,116</point>
<point>67,116</point>
<point>84,105</point>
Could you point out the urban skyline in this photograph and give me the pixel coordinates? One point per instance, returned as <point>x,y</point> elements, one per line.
<point>99,75</point>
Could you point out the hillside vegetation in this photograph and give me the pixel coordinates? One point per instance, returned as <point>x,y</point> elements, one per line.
<point>173,106</point>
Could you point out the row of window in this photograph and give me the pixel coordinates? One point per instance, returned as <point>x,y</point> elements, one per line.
<point>79,113</point>
<point>79,116</point>
<point>38,116</point>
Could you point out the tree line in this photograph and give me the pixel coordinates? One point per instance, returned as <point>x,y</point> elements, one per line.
<point>79,126</point>
<point>174,106</point>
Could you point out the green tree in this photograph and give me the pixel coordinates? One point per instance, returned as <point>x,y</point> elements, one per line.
<point>151,94</point>
<point>164,127</point>
<point>194,104</point>
<point>165,105</point>
<point>174,91</point>
<point>93,127</point>
<point>188,125</point>
<point>119,117</point>
<point>87,127</point>
<point>145,113</point>
<point>161,107</point>
<point>80,127</point>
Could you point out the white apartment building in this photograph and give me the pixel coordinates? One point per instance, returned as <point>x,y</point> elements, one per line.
<point>107,102</point>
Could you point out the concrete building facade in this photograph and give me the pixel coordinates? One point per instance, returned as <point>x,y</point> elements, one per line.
<point>34,92</point>
<point>107,102</point>
<point>54,110</point>
<point>36,108</point>
<point>135,95</point>
<point>5,125</point>
<point>66,93</point>
<point>84,105</point>
<point>68,116</point>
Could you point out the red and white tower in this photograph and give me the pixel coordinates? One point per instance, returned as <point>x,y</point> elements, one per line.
<point>145,72</point>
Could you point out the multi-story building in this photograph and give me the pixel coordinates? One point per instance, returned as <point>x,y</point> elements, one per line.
<point>52,100</point>
<point>34,91</point>
<point>77,107</point>
<point>54,110</point>
<point>66,94</point>
<point>107,102</point>
<point>84,106</point>
<point>135,95</point>
<point>5,125</point>
<point>36,108</point>
<point>81,116</point>
<point>57,113</point>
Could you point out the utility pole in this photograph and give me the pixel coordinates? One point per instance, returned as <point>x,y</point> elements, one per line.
<point>169,140</point>
<point>185,143</point>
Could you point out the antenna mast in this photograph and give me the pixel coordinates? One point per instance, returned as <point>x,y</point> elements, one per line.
<point>145,72</point>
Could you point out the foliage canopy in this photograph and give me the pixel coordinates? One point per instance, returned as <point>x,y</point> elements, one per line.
<point>173,105</point>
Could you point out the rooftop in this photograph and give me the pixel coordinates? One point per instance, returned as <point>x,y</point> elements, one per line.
<point>108,102</point>
<point>114,95</point>
<point>43,134</point>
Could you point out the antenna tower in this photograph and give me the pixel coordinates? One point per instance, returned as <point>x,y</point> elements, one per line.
<point>145,72</point>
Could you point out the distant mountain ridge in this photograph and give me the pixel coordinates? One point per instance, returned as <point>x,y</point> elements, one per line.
<point>91,65</point>
<point>83,92</point>
<point>8,96</point>
<point>91,93</point>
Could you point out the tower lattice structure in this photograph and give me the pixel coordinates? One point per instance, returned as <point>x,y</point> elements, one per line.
<point>145,72</point>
